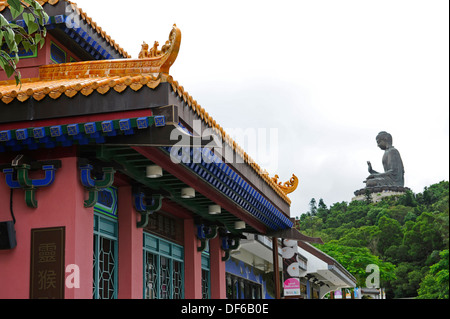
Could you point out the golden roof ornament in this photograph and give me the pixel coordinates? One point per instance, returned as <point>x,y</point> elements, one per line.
<point>144,51</point>
<point>287,187</point>
<point>168,53</point>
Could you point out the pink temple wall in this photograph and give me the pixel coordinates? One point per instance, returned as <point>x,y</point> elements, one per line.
<point>192,262</point>
<point>29,67</point>
<point>60,204</point>
<point>130,248</point>
<point>217,270</point>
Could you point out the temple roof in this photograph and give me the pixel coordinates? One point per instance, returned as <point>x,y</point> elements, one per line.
<point>54,87</point>
<point>59,15</point>
<point>87,77</point>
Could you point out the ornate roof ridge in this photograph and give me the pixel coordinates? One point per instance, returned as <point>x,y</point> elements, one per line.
<point>4,4</point>
<point>155,64</point>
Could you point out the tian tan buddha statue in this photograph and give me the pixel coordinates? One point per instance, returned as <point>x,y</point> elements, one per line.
<point>392,163</point>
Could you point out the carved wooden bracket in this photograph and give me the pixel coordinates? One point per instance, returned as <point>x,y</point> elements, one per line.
<point>229,243</point>
<point>28,184</point>
<point>204,234</point>
<point>94,185</point>
<point>144,209</point>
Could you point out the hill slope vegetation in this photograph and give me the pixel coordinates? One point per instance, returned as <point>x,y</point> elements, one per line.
<point>405,236</point>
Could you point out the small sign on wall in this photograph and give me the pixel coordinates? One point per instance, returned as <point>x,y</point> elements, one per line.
<point>291,271</point>
<point>47,263</point>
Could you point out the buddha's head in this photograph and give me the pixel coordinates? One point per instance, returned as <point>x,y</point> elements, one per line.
<point>384,140</point>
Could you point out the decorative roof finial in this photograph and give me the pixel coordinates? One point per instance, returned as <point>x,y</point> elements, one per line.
<point>144,51</point>
<point>287,187</point>
<point>165,57</point>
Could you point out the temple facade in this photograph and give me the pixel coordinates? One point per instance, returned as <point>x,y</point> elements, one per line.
<point>106,187</point>
<point>116,183</point>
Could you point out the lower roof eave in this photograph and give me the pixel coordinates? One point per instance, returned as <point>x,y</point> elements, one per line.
<point>294,234</point>
<point>347,278</point>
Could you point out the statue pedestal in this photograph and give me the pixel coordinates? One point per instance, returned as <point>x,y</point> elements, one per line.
<point>377,193</point>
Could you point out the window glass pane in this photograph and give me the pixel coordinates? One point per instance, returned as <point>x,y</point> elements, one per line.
<point>206,292</point>
<point>105,258</point>
<point>163,269</point>
<point>241,288</point>
<point>177,280</point>
<point>150,268</point>
<point>205,284</point>
<point>95,251</point>
<point>106,268</point>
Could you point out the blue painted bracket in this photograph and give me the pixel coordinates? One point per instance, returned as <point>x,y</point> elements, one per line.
<point>144,209</point>
<point>225,243</point>
<point>86,179</point>
<point>94,185</point>
<point>204,234</point>
<point>9,176</point>
<point>201,235</point>
<point>48,179</point>
<point>229,244</point>
<point>27,184</point>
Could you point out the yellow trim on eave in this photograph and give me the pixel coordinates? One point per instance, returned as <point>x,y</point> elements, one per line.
<point>38,89</point>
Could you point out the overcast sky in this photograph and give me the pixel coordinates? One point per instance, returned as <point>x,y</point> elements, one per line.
<point>328,75</point>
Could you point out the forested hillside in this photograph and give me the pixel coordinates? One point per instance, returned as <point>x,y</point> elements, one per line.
<point>406,236</point>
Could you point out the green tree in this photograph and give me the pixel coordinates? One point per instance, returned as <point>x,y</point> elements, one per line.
<point>407,231</point>
<point>315,225</point>
<point>356,260</point>
<point>436,282</point>
<point>410,216</point>
<point>13,36</point>
<point>322,210</point>
<point>367,196</point>
<point>397,254</point>
<point>392,234</point>
<point>408,199</point>
<point>365,236</point>
<point>406,283</point>
<point>423,236</point>
<point>322,204</point>
<point>312,207</point>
